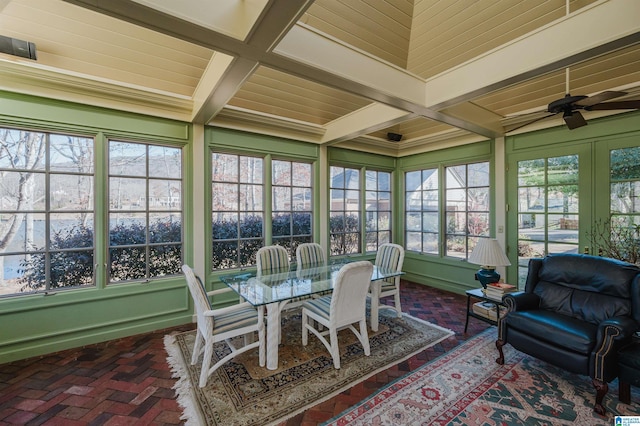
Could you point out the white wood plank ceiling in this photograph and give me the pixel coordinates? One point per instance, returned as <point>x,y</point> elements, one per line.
<point>337,72</point>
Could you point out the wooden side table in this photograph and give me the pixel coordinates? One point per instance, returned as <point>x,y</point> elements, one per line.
<point>477,294</point>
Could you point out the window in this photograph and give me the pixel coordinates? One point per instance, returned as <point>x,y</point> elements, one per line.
<point>467,207</point>
<point>547,208</point>
<point>46,211</point>
<point>237,209</point>
<point>145,211</point>
<point>291,204</point>
<point>377,209</point>
<point>624,226</point>
<point>462,206</point>
<point>421,211</point>
<point>344,210</point>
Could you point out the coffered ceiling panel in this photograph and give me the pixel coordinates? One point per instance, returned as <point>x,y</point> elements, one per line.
<point>334,72</point>
<point>381,28</point>
<point>80,41</point>
<point>272,92</point>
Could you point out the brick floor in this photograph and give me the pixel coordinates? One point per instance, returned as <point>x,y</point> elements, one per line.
<point>128,382</point>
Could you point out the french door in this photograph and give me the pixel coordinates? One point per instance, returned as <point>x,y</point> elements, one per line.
<point>565,199</point>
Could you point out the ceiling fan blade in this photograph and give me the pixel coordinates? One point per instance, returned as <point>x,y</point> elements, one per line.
<point>574,120</point>
<point>535,120</point>
<point>615,105</point>
<point>600,97</point>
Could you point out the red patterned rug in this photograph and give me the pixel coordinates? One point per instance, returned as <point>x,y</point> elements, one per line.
<point>467,387</point>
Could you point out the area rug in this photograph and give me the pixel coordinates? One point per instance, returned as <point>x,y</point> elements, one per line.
<point>242,393</point>
<point>467,387</point>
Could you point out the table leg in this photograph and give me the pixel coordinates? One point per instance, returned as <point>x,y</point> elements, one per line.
<point>375,301</point>
<point>273,335</point>
<point>466,323</point>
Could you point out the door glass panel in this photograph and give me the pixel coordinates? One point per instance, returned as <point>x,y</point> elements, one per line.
<point>618,238</point>
<point>547,209</point>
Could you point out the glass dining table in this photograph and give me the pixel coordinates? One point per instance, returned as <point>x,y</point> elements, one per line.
<point>277,288</point>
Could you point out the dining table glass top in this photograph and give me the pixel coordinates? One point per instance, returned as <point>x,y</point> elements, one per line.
<point>291,283</point>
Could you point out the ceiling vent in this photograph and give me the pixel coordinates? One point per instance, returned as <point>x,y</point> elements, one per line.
<point>16,47</point>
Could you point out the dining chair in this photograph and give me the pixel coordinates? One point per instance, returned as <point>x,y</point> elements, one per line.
<point>390,256</point>
<point>345,307</point>
<point>309,254</point>
<point>272,259</point>
<point>222,325</point>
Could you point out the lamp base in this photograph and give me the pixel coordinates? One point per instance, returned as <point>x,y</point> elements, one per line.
<point>487,276</point>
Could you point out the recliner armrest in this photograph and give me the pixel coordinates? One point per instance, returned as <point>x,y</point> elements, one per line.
<point>619,328</point>
<point>521,301</point>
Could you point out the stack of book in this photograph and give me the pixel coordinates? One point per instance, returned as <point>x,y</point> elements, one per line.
<point>497,290</point>
<point>488,310</point>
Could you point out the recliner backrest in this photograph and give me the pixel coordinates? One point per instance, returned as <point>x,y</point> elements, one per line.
<point>590,288</point>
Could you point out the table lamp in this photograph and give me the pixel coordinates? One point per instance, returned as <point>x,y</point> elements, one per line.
<point>488,254</point>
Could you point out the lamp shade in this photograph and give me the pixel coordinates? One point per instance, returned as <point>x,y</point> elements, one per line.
<point>488,253</point>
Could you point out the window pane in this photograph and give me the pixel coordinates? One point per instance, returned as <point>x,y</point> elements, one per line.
<point>281,198</point>
<point>71,154</point>
<point>625,164</point>
<point>71,192</point>
<point>127,229</point>
<point>250,197</point>
<point>165,162</point>
<point>422,197</point>
<point>224,197</point>
<point>478,174</point>
<point>456,176</point>
<point>127,159</point>
<point>237,215</point>
<point>224,167</point>
<point>127,194</point>
<point>165,260</point>
<point>563,199</point>
<point>165,195</point>
<point>547,208</point>
<point>165,228</point>
<point>344,210</point>
<point>145,218</point>
<point>46,211</point>
<point>251,170</point>
<point>301,174</point>
<point>467,202</point>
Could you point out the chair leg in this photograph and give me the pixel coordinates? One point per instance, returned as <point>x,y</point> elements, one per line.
<point>335,350</point>
<point>305,331</point>
<point>197,347</point>
<point>262,347</point>
<point>499,345</point>
<point>206,361</point>
<point>396,302</point>
<point>624,391</point>
<point>375,305</point>
<point>601,390</point>
<point>364,337</point>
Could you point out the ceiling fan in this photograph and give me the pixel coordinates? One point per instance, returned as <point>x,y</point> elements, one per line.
<point>570,107</point>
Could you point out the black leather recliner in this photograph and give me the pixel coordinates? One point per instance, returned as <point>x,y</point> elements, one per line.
<point>576,312</point>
